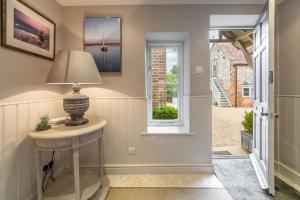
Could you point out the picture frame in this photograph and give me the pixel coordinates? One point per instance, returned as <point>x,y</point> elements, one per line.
<point>102,37</point>
<point>27,30</point>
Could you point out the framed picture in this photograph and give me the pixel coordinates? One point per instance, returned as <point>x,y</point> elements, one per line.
<point>102,38</point>
<point>26,30</point>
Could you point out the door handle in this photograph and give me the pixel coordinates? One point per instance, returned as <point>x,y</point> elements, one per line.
<point>275,115</point>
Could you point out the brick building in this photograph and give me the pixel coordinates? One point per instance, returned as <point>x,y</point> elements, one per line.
<point>159,70</point>
<point>229,67</point>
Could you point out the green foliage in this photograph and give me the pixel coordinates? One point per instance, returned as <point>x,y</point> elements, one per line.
<point>165,112</point>
<point>172,77</point>
<point>44,123</point>
<point>248,121</point>
<point>174,70</point>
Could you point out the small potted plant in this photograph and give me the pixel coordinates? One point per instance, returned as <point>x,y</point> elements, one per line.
<point>247,133</point>
<point>44,124</point>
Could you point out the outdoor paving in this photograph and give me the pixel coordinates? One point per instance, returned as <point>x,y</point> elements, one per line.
<point>226,127</point>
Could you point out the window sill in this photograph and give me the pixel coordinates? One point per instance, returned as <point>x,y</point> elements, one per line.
<point>168,130</point>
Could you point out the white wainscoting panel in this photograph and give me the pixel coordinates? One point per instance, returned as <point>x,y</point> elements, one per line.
<point>17,166</point>
<point>287,149</point>
<point>127,119</point>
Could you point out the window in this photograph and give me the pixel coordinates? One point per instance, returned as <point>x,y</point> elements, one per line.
<point>214,71</point>
<point>164,83</point>
<point>214,34</point>
<point>247,91</point>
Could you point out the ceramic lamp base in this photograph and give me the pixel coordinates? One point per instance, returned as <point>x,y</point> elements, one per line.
<point>76,105</point>
<point>76,122</point>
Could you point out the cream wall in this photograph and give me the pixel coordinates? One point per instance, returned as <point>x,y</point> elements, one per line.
<point>137,20</point>
<point>22,76</point>
<point>128,90</point>
<point>22,101</point>
<point>287,149</point>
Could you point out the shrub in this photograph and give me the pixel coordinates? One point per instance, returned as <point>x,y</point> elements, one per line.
<point>172,77</point>
<point>248,121</point>
<point>165,112</point>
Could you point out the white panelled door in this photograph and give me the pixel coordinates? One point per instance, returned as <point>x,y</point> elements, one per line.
<point>263,107</point>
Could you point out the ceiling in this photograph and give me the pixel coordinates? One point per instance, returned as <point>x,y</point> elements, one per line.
<point>228,21</point>
<point>155,2</point>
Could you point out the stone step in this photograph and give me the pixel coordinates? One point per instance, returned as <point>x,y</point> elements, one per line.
<point>224,105</point>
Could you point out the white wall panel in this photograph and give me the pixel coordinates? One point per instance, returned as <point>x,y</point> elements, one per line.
<point>288,137</point>
<point>130,127</point>
<point>17,169</point>
<point>127,119</point>
<point>1,128</point>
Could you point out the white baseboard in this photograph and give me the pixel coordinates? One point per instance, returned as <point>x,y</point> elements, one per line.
<point>157,168</point>
<point>287,175</point>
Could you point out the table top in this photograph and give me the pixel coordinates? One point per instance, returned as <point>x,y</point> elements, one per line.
<point>61,131</point>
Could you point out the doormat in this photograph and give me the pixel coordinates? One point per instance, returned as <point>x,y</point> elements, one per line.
<point>222,153</point>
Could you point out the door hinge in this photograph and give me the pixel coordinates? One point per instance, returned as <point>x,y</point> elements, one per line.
<point>271,77</point>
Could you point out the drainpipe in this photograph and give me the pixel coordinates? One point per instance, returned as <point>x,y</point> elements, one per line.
<point>235,86</point>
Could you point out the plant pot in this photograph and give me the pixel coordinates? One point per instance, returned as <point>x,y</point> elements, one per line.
<point>247,141</point>
<point>38,129</point>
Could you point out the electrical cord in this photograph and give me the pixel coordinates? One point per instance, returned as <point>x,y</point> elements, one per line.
<point>48,173</point>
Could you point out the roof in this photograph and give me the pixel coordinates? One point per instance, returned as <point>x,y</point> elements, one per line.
<point>232,53</point>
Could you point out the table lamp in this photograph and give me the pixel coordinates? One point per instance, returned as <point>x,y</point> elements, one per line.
<point>74,67</point>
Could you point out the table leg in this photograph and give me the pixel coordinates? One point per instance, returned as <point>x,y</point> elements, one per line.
<point>38,174</point>
<point>101,155</point>
<point>71,159</point>
<point>76,168</point>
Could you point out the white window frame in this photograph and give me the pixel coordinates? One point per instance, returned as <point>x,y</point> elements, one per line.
<point>165,44</point>
<point>250,91</point>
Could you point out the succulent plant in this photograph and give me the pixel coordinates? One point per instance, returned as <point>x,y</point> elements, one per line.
<point>44,123</point>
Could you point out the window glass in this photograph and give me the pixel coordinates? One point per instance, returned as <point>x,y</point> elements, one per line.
<point>214,34</point>
<point>165,83</point>
<point>246,92</point>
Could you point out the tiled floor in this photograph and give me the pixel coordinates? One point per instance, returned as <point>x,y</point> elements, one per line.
<point>166,187</point>
<point>184,187</point>
<point>166,180</point>
<point>167,194</point>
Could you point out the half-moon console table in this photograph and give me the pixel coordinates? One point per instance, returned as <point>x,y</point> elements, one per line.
<point>79,184</point>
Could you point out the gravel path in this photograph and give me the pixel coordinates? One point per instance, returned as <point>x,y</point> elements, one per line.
<point>226,126</point>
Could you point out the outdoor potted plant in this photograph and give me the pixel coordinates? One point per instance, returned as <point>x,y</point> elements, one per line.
<point>247,133</point>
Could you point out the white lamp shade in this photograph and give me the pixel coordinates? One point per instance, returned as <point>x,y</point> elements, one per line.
<point>71,66</point>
